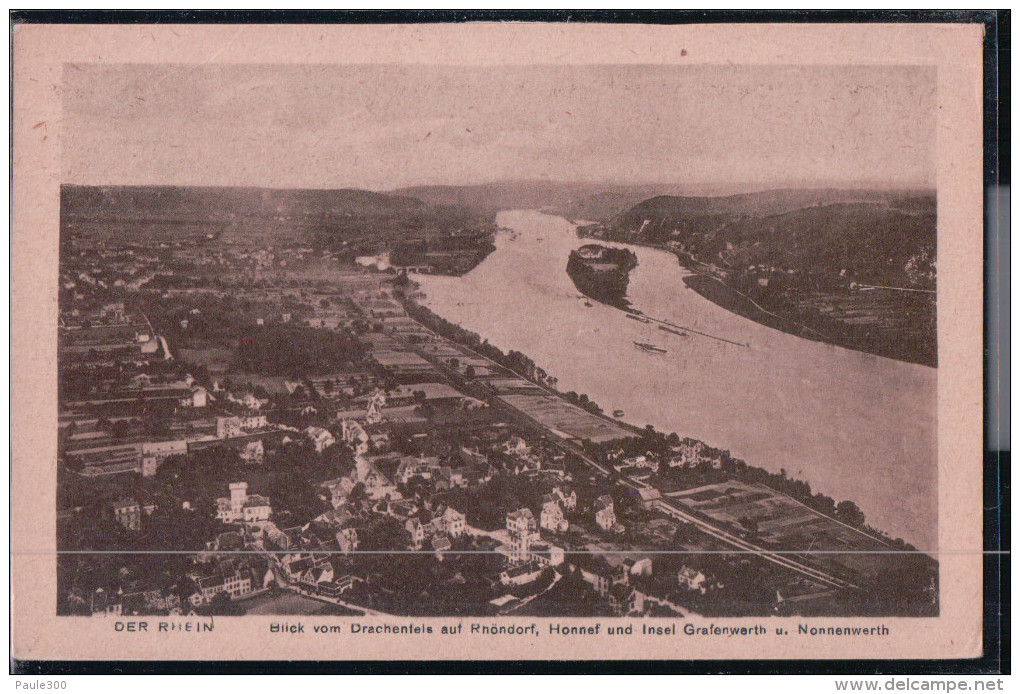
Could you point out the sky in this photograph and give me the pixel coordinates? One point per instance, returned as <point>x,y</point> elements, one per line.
<point>390,126</point>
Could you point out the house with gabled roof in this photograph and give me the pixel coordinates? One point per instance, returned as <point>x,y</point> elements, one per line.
<point>567,497</point>
<point>107,602</point>
<point>691,579</point>
<point>127,512</point>
<point>625,599</point>
<point>337,587</point>
<point>416,530</point>
<point>605,514</point>
<point>256,509</point>
<point>321,438</point>
<point>321,572</point>
<point>338,489</point>
<point>297,567</point>
<point>454,522</point>
<point>521,573</point>
<point>551,517</point>
<point>523,533</point>
<point>347,539</point>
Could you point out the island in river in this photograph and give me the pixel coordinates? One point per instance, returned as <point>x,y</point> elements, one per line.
<point>602,273</point>
<point>851,268</point>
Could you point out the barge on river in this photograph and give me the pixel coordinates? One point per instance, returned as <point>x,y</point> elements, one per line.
<point>648,347</point>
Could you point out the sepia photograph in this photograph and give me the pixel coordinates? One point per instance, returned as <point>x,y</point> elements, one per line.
<point>540,349</point>
<point>556,341</point>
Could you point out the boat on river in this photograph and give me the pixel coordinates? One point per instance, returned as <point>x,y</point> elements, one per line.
<point>681,333</point>
<point>648,347</point>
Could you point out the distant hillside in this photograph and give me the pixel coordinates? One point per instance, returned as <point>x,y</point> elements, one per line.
<point>207,203</point>
<point>771,202</point>
<point>320,217</point>
<point>587,201</point>
<point>877,237</point>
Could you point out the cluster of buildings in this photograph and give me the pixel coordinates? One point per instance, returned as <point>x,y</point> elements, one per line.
<point>409,490</point>
<point>235,577</point>
<point>435,529</point>
<point>126,409</point>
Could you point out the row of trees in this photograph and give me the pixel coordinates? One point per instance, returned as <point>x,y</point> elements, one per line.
<point>513,360</point>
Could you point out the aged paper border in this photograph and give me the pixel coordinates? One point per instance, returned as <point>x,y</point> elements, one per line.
<point>38,53</point>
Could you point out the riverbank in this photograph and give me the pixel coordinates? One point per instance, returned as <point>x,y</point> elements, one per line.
<point>909,344</point>
<point>730,299</point>
<point>853,425</point>
<point>891,322</point>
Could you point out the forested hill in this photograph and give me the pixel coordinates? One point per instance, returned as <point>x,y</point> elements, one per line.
<point>875,237</point>
<point>769,202</point>
<point>855,268</point>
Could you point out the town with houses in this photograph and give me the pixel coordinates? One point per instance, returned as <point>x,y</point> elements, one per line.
<point>253,429</point>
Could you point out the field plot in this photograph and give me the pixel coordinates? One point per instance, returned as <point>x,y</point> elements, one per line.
<point>779,520</point>
<point>395,358</point>
<point>880,308</point>
<point>444,350</point>
<point>564,417</point>
<point>429,391</point>
<point>478,362</point>
<point>403,325</point>
<point>513,385</point>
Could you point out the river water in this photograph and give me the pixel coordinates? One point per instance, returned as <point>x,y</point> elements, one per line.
<point>856,426</point>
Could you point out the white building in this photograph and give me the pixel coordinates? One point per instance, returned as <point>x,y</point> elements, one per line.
<point>251,422</point>
<point>567,497</point>
<point>523,533</point>
<point>228,427</point>
<point>347,539</point>
<point>253,453</point>
<point>256,509</point>
<point>551,518</point>
<point>197,398</point>
<point>416,531</point>
<point>691,579</point>
<point>605,514</point>
<point>454,521</point>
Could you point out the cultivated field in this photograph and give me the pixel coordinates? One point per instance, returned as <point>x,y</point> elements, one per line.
<point>564,417</point>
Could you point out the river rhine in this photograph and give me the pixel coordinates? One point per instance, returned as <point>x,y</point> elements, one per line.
<point>854,425</point>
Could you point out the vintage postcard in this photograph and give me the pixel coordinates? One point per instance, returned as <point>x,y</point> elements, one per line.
<point>497,341</point>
